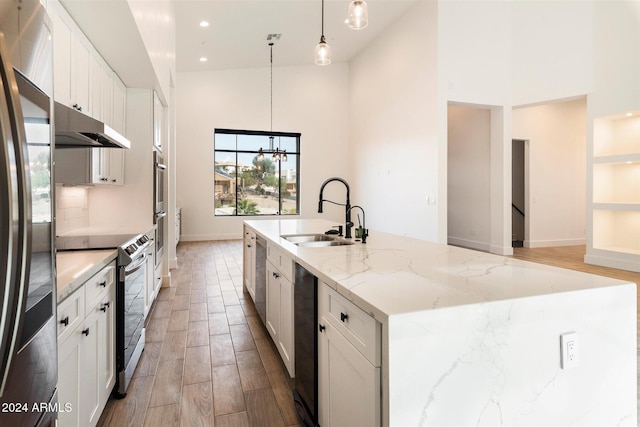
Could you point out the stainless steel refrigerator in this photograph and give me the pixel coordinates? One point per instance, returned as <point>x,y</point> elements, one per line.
<point>28,347</point>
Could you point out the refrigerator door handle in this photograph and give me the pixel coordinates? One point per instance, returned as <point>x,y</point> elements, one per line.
<point>17,221</point>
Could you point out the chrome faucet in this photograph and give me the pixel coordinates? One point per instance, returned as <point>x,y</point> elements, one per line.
<point>347,205</point>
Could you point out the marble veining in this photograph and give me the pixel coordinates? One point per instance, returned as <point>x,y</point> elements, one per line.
<point>471,338</point>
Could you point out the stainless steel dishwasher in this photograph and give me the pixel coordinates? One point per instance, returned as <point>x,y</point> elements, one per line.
<point>261,278</point>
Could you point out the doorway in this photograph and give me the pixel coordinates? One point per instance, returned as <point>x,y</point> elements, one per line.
<point>518,192</point>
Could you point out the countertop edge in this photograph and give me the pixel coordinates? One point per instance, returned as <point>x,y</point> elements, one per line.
<point>74,268</point>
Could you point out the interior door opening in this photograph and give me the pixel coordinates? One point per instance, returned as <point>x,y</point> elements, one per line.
<point>518,189</point>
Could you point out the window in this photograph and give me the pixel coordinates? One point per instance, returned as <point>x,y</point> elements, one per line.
<point>246,183</point>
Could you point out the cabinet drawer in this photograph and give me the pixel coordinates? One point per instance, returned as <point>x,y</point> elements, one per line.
<point>360,329</point>
<point>70,314</point>
<point>281,260</point>
<point>98,284</point>
<point>273,253</point>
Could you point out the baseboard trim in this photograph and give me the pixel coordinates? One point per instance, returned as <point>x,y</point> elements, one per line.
<point>551,243</point>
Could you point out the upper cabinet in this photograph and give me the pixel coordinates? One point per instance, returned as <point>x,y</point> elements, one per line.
<point>158,114</point>
<point>82,79</point>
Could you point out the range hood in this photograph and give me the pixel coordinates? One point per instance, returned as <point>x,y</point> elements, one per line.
<point>75,129</point>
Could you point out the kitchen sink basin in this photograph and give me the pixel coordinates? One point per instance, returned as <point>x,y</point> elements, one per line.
<point>303,238</point>
<point>315,240</point>
<point>325,243</point>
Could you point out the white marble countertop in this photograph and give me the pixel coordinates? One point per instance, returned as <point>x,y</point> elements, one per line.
<point>392,275</point>
<point>76,267</point>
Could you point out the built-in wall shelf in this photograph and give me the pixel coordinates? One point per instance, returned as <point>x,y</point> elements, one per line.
<point>614,208</point>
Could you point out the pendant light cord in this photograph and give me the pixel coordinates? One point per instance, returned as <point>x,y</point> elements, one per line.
<point>271,77</point>
<point>322,20</point>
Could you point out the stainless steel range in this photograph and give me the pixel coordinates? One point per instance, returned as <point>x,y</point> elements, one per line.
<point>130,292</point>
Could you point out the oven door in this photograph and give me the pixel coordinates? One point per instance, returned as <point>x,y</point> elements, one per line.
<point>130,320</point>
<point>158,182</point>
<point>159,241</point>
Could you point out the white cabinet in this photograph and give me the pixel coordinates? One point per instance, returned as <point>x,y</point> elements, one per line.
<point>158,122</point>
<point>76,166</point>
<point>613,238</point>
<point>249,262</point>
<point>82,79</point>
<point>119,105</point>
<point>178,224</point>
<point>86,349</point>
<point>280,314</point>
<point>71,62</point>
<point>349,363</point>
<point>150,281</point>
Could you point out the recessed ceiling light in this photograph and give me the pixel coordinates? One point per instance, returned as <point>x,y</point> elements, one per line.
<point>204,24</point>
<point>203,59</point>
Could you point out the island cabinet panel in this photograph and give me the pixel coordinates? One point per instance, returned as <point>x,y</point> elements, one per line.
<point>249,263</point>
<point>86,350</point>
<point>349,384</point>
<point>280,314</point>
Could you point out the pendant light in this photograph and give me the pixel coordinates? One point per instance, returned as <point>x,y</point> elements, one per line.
<point>277,155</point>
<point>323,51</point>
<point>358,15</point>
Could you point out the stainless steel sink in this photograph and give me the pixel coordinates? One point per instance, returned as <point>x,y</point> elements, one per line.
<point>315,240</point>
<point>322,244</point>
<point>301,238</point>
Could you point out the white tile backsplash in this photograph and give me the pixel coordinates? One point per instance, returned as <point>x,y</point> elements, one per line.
<point>71,208</point>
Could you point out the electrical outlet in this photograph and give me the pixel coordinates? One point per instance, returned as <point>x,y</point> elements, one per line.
<point>570,350</point>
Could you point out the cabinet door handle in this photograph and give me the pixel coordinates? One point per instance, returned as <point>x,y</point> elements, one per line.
<point>86,332</point>
<point>321,327</point>
<point>103,284</point>
<point>65,321</point>
<point>276,275</point>
<point>104,307</point>
<point>344,317</point>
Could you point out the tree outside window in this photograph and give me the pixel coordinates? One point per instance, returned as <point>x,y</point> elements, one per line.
<point>247,183</point>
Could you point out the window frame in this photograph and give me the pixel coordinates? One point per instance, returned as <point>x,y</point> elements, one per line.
<point>267,152</point>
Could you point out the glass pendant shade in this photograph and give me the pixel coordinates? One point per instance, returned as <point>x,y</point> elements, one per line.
<point>323,52</point>
<point>358,15</point>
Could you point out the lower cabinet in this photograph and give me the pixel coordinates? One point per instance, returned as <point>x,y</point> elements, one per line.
<point>348,363</point>
<point>280,314</point>
<point>86,354</point>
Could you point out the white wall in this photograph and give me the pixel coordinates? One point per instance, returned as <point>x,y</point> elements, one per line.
<point>311,100</point>
<point>552,50</point>
<point>132,203</point>
<point>156,24</point>
<point>469,180</point>
<point>393,127</point>
<point>556,136</point>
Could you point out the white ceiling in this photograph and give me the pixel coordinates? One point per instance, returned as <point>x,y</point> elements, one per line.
<point>236,36</point>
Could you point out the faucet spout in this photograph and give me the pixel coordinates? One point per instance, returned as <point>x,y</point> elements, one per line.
<point>347,205</point>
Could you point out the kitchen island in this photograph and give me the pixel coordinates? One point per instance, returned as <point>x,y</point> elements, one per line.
<point>470,338</point>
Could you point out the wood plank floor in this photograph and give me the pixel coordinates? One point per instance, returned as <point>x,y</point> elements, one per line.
<point>208,360</point>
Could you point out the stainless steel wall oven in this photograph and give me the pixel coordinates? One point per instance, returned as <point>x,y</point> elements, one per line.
<point>159,212</point>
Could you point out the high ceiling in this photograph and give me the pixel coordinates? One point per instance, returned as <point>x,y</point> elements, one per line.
<point>237,34</point>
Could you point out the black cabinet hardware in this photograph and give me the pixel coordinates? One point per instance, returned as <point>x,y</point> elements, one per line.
<point>344,317</point>
<point>321,327</point>
<point>65,321</point>
<point>86,332</point>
